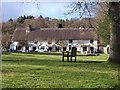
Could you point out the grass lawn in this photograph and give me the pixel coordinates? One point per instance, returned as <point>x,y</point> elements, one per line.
<point>23,70</point>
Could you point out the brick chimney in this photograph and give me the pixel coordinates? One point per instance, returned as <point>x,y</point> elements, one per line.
<point>28,28</point>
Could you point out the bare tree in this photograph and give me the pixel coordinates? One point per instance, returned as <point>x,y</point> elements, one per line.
<point>101,24</point>
<point>6,40</point>
<point>114,14</point>
<point>83,8</point>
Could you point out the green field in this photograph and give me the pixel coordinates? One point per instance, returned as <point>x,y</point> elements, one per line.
<point>27,70</point>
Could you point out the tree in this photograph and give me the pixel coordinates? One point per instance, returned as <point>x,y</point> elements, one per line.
<point>114,14</point>
<point>60,26</point>
<point>8,27</point>
<point>103,30</point>
<point>101,24</point>
<point>10,20</point>
<point>20,19</point>
<point>40,16</point>
<point>61,23</point>
<point>29,17</point>
<point>6,40</point>
<point>54,23</point>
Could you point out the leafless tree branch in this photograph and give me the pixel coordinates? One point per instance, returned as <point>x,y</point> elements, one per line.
<point>83,7</point>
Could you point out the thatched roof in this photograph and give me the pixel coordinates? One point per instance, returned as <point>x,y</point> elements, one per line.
<point>54,34</point>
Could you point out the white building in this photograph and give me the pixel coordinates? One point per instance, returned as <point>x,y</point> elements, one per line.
<point>55,39</point>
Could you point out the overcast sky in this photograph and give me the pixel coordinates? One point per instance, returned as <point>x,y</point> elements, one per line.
<point>46,9</point>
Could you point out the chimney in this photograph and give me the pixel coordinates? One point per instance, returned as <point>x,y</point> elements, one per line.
<point>28,28</point>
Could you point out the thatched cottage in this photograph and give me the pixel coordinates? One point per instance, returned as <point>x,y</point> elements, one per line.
<point>54,39</point>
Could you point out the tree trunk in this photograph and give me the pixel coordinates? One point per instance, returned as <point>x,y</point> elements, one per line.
<point>114,13</point>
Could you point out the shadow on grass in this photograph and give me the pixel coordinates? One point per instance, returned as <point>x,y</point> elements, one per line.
<point>116,87</point>
<point>43,53</point>
<point>91,61</point>
<point>6,53</point>
<point>55,63</point>
<point>35,53</point>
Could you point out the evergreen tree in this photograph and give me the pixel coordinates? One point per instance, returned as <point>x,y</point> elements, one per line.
<point>10,20</point>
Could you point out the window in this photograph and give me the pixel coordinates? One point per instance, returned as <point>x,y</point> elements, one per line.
<point>42,47</point>
<point>49,48</point>
<point>70,41</point>
<point>34,48</point>
<point>64,48</point>
<point>84,48</point>
<point>69,47</point>
<point>18,47</point>
<point>92,49</point>
<point>49,42</point>
<point>36,42</point>
<point>27,48</point>
<point>91,41</point>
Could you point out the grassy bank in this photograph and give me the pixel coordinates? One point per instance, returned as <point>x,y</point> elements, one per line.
<point>24,70</point>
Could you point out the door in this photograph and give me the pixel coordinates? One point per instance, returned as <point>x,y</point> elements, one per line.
<point>34,48</point>
<point>92,49</point>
